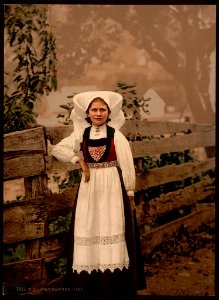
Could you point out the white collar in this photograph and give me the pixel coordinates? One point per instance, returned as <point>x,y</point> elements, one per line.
<point>100,128</point>
<point>98,132</point>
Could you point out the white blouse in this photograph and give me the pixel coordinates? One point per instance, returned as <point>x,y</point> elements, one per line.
<point>68,147</point>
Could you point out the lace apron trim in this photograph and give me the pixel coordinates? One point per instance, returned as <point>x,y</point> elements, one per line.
<point>102,240</point>
<point>101,267</point>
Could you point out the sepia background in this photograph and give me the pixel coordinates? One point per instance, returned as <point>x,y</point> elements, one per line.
<point>168,51</point>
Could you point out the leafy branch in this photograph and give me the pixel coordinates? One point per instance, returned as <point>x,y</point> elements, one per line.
<point>131,101</point>
<point>33,46</point>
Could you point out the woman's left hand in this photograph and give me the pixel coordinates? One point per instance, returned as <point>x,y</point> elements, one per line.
<point>132,203</point>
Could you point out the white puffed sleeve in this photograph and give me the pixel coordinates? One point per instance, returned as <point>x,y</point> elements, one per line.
<point>125,161</point>
<point>66,149</point>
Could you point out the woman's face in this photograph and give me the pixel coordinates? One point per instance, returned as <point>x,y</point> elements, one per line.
<point>98,112</point>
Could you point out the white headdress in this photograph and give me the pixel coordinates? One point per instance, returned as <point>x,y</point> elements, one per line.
<point>81,102</point>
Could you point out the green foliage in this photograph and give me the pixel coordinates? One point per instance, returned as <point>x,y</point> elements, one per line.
<point>131,101</point>
<point>72,177</point>
<point>177,158</point>
<point>65,116</point>
<point>165,159</point>
<point>155,191</point>
<point>60,224</point>
<point>57,268</point>
<point>34,46</point>
<point>14,253</point>
<point>60,266</point>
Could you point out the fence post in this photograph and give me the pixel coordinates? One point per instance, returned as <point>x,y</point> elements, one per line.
<point>35,185</point>
<point>32,249</point>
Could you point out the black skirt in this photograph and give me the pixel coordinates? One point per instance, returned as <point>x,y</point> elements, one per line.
<point>119,282</point>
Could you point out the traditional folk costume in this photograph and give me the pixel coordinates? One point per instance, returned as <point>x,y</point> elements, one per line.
<point>105,253</point>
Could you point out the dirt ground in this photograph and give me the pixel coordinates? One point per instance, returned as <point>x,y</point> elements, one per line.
<point>188,275</point>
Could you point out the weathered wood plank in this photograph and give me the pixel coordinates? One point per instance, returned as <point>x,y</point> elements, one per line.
<point>172,144</point>
<point>35,185</point>
<point>32,249</point>
<point>25,141</point>
<point>24,166</point>
<point>57,133</point>
<point>55,166</point>
<point>154,177</point>
<point>187,196</point>
<point>62,203</point>
<point>53,247</point>
<point>148,128</point>
<point>24,220</point>
<point>58,282</point>
<point>191,222</point>
<point>135,128</point>
<point>21,272</point>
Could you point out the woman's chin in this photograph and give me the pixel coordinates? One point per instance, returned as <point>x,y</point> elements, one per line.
<point>98,123</point>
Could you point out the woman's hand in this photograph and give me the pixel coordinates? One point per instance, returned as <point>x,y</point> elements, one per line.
<point>85,169</point>
<point>132,203</point>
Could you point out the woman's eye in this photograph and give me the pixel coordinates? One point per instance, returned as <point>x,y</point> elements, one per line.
<point>101,109</point>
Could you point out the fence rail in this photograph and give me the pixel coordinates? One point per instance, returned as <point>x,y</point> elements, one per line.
<point>29,223</point>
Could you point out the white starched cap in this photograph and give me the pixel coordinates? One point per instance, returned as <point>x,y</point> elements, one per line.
<point>81,102</point>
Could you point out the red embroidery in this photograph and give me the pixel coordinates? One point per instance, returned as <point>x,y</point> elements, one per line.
<point>97,152</point>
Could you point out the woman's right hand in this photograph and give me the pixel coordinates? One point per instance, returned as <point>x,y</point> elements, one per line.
<point>85,169</point>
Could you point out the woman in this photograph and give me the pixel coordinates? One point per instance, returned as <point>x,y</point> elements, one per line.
<point>105,254</point>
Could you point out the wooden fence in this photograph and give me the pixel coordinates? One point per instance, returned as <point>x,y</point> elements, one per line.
<point>28,224</point>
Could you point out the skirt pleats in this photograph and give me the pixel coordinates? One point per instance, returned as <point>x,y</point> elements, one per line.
<point>104,253</point>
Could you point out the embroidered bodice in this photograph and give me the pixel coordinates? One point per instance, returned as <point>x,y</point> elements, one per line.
<point>99,150</point>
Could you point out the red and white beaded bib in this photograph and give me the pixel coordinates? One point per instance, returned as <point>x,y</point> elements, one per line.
<point>97,152</point>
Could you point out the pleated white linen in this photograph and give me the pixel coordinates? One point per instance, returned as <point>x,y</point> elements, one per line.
<point>99,233</point>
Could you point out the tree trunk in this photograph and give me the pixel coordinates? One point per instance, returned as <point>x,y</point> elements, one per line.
<point>201,110</point>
